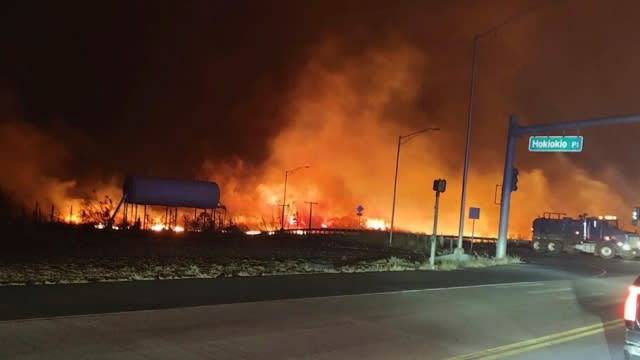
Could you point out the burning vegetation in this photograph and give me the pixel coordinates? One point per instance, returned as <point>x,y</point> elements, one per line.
<point>335,97</point>
<point>342,124</point>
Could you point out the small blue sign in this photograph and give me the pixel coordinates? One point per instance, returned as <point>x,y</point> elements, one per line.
<point>474,213</point>
<point>359,209</point>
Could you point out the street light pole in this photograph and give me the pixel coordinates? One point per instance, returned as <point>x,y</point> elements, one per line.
<point>467,145</point>
<point>472,91</point>
<point>395,187</point>
<point>401,138</point>
<point>284,197</point>
<point>284,200</point>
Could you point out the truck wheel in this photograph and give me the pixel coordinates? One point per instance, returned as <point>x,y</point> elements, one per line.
<point>539,246</point>
<point>628,255</point>
<point>554,247</point>
<point>606,251</point>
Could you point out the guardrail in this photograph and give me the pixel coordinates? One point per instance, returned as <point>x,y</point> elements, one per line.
<point>351,232</point>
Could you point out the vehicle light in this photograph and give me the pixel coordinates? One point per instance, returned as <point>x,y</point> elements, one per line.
<point>631,304</point>
<point>607,238</point>
<point>626,247</point>
<point>619,242</point>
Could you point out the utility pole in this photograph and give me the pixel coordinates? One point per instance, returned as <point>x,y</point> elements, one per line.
<point>311,203</point>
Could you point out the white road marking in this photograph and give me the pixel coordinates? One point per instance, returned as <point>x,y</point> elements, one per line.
<point>546,291</point>
<point>397,292</point>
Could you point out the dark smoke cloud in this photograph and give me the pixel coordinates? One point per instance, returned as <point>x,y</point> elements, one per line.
<point>158,88</point>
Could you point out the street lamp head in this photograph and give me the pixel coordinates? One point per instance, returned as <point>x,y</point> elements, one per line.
<point>296,169</point>
<point>408,137</point>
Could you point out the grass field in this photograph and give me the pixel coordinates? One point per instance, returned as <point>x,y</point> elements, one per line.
<point>51,255</point>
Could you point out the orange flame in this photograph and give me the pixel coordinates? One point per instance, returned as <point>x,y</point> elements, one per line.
<point>376,224</point>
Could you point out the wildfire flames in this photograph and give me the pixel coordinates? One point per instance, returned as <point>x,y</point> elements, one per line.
<point>345,115</point>
<point>376,224</point>
<point>72,219</point>
<point>159,227</point>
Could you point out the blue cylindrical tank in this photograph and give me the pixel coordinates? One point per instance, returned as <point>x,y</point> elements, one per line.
<point>145,190</point>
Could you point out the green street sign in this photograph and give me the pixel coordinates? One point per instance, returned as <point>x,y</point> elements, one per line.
<point>555,143</point>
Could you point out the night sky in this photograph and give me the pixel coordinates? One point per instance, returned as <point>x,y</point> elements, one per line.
<point>107,88</point>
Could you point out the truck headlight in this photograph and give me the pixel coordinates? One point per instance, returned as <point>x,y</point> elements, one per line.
<point>626,247</point>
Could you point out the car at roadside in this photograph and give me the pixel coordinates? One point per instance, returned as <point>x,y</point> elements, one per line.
<point>632,322</point>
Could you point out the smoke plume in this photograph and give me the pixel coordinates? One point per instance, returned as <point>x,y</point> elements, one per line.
<point>219,91</point>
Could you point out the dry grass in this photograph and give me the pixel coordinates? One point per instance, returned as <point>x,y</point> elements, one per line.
<point>157,269</point>
<point>477,262</point>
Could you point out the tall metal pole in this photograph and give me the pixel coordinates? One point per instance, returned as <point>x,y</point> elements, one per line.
<point>395,178</point>
<point>395,187</point>
<point>507,176</point>
<point>467,146</point>
<point>284,196</point>
<point>311,203</point>
<point>473,231</point>
<point>284,200</point>
<point>432,252</point>
<point>476,38</point>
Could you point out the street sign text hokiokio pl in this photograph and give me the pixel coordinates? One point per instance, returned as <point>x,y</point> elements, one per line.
<point>555,143</point>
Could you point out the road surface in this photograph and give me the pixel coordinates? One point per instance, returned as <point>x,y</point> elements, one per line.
<point>564,308</point>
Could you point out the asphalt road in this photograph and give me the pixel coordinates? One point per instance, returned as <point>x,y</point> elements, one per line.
<point>557,308</point>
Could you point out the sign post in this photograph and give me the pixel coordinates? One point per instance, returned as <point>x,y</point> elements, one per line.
<point>474,214</point>
<point>439,186</point>
<point>359,211</point>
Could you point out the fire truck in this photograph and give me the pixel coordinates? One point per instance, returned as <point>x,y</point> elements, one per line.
<point>555,233</point>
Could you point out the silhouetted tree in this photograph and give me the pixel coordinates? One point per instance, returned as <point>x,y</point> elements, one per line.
<point>8,206</point>
<point>96,211</point>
